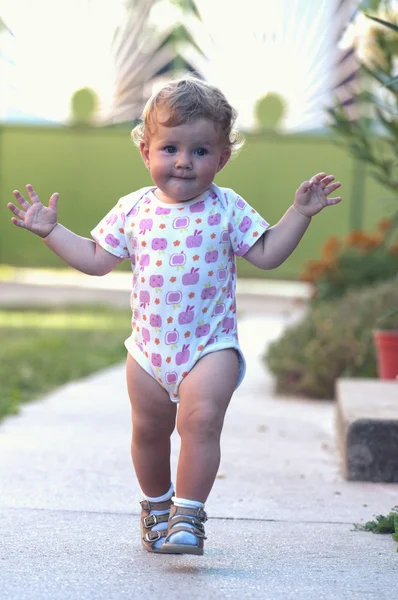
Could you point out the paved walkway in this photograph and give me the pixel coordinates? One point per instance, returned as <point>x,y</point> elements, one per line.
<point>281,516</point>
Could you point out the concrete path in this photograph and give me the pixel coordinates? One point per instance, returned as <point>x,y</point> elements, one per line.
<point>281,516</point>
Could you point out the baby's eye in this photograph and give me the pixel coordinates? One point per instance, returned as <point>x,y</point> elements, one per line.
<point>200,151</point>
<point>170,149</point>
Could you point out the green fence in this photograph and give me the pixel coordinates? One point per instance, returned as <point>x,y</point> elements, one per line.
<point>91,168</point>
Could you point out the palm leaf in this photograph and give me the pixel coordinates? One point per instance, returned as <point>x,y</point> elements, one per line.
<point>382,22</point>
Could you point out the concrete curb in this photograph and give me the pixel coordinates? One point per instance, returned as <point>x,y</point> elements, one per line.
<point>367,429</point>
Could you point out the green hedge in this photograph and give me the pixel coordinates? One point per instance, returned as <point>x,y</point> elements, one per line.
<point>91,168</point>
<point>335,339</point>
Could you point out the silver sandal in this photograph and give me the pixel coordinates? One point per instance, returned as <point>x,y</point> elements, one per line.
<point>149,537</point>
<point>190,520</point>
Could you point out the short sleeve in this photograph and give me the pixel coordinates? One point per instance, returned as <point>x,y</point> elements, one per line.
<point>109,233</point>
<point>245,224</point>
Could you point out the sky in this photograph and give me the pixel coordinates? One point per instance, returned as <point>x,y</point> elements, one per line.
<point>253,47</point>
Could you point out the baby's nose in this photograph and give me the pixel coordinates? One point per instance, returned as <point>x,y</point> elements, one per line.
<point>183,160</point>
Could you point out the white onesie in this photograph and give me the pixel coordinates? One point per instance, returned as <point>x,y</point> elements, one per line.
<point>184,275</point>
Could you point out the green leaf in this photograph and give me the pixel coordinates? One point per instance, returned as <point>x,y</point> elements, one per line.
<point>382,22</point>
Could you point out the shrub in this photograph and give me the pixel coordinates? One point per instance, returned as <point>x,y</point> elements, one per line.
<point>333,340</point>
<point>358,260</point>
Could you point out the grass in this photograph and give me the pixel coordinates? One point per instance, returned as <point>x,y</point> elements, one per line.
<point>383,524</point>
<point>42,349</point>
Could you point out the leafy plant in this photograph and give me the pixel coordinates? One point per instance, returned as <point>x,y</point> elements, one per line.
<point>372,137</point>
<point>358,260</point>
<point>142,52</point>
<point>382,524</point>
<point>334,340</point>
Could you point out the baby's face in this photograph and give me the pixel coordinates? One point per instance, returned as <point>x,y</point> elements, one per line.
<point>184,160</point>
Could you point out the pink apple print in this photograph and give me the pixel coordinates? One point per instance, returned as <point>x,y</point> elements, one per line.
<point>233,269</point>
<point>170,377</point>
<point>173,297</point>
<point>211,256</point>
<point>230,228</point>
<point>186,316</point>
<point>134,242</point>
<point>155,320</point>
<point>180,222</point>
<point>156,359</point>
<point>242,249</point>
<point>264,224</point>
<point>146,224</point>
<point>135,280</point>
<point>162,211</point>
<point>144,261</point>
<point>208,293</point>
<point>178,259</point>
<point>224,237</point>
<point>136,314</point>
<point>212,340</point>
<point>133,260</point>
<point>214,219</point>
<point>159,244</point>
<point>111,220</point>
<point>135,211</point>
<point>222,273</point>
<point>145,335</point>
<point>213,195</point>
<point>229,289</point>
<point>228,324</point>
<point>197,207</point>
<point>191,278</point>
<point>195,240</point>
<point>240,203</point>
<point>112,241</point>
<point>245,224</point>
<point>183,356</point>
<point>202,330</point>
<point>139,346</point>
<point>171,337</point>
<point>156,281</point>
<point>219,309</point>
<point>144,299</point>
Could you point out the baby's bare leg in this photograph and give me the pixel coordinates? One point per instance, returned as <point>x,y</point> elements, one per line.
<point>153,416</point>
<point>204,397</point>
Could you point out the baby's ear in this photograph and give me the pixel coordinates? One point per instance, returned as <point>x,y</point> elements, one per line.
<point>144,149</point>
<point>224,158</point>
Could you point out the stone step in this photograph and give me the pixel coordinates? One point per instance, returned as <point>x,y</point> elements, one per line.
<point>367,429</point>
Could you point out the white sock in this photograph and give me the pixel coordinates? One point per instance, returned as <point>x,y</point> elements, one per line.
<point>183,537</point>
<point>160,526</point>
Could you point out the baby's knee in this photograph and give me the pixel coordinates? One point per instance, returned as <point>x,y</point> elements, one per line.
<point>201,422</point>
<point>150,430</point>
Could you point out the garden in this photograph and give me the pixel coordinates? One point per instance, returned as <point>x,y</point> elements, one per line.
<point>351,328</point>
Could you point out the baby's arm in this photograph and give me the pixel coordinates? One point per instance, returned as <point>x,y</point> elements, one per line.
<point>81,253</point>
<point>277,243</point>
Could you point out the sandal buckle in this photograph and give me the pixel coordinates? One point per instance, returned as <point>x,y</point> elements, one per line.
<point>150,521</point>
<point>153,536</point>
<point>145,505</point>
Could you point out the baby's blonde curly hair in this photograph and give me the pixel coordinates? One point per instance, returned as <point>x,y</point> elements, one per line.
<point>185,100</point>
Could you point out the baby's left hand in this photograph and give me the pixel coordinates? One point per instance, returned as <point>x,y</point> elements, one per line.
<point>312,196</point>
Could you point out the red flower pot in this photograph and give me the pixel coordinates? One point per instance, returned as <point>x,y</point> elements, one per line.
<point>386,343</point>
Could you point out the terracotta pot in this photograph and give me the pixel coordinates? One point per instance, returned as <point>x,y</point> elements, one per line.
<point>386,343</point>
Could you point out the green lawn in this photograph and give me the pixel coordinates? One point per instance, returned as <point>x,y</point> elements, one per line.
<point>42,349</point>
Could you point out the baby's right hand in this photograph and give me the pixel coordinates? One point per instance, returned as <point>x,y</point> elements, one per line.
<point>35,217</point>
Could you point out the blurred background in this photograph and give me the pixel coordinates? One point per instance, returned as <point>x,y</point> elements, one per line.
<point>75,76</point>
<point>316,89</point>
